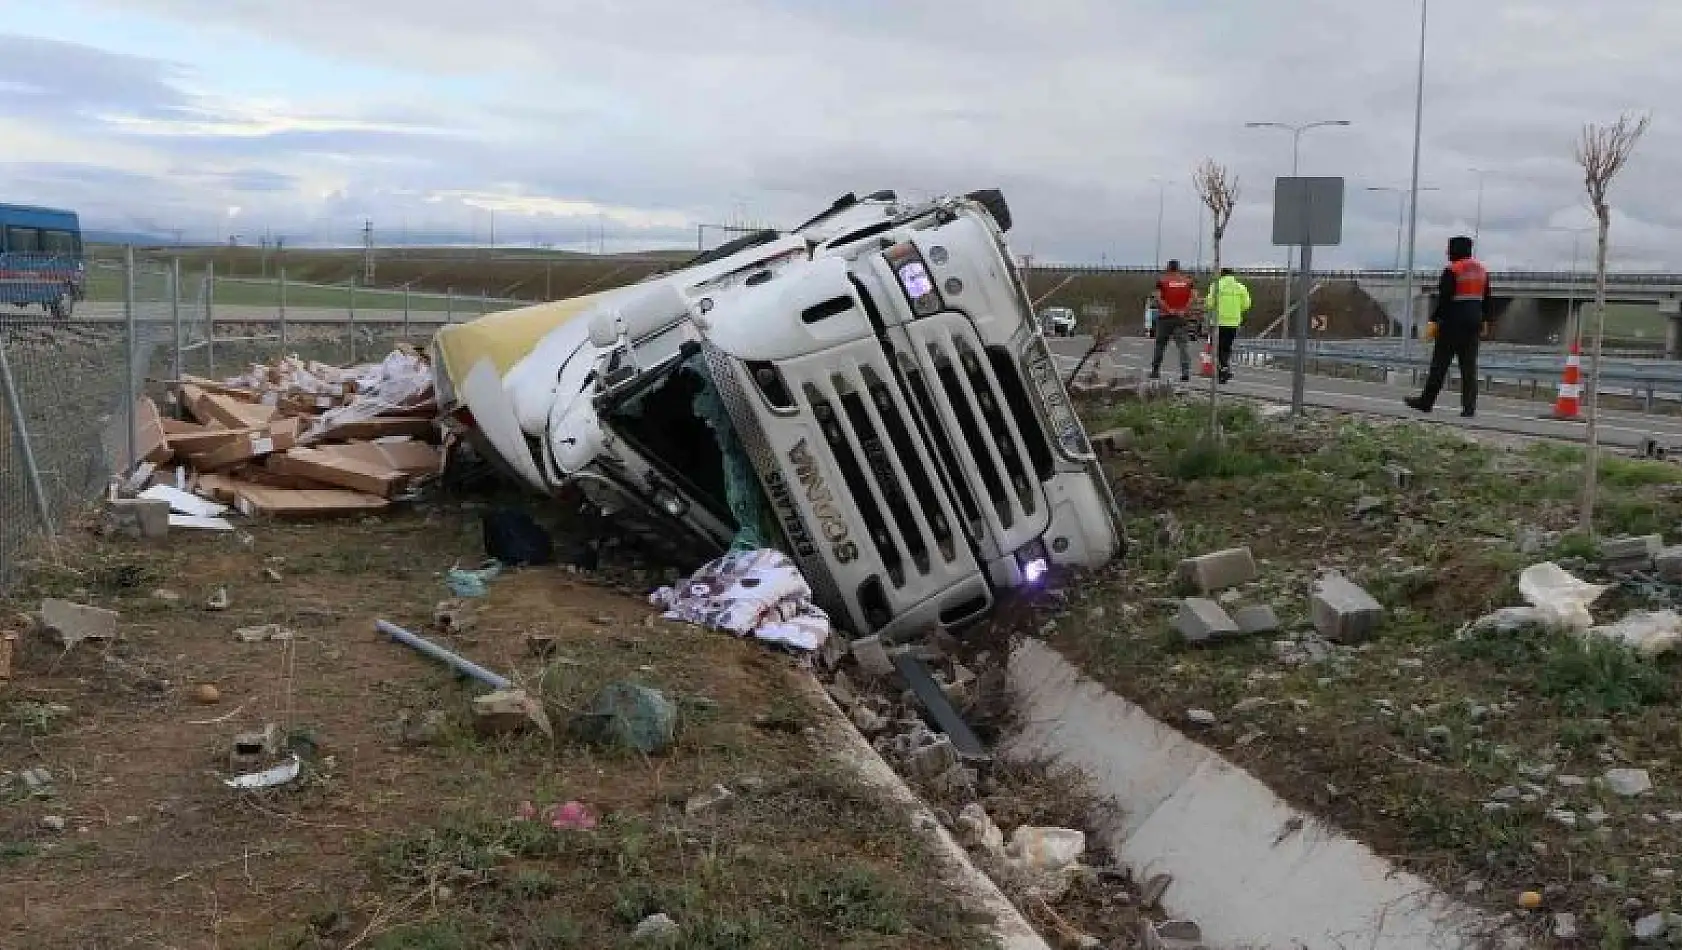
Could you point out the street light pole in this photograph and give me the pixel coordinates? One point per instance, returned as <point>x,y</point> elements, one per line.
<point>1161,198</point>
<point>1477,224</point>
<point>1296,143</point>
<point>1413,202</point>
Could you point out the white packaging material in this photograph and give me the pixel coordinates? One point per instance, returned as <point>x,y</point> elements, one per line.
<point>1564,597</point>
<point>1046,849</point>
<point>1648,632</point>
<point>758,593</point>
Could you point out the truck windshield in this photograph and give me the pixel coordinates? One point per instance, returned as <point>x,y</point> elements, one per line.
<point>680,425</point>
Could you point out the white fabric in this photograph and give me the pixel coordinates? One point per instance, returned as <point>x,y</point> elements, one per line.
<point>758,593</point>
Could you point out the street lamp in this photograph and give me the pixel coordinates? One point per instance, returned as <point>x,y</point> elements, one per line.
<point>1161,197</point>
<point>1296,148</point>
<point>1477,225</point>
<point>1401,219</point>
<point>1413,203</point>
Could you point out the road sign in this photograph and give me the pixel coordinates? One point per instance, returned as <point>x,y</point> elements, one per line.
<point>1308,211</point>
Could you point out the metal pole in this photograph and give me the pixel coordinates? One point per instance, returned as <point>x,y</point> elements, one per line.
<point>1299,380</point>
<point>20,429</point>
<point>405,313</point>
<point>129,335</point>
<point>1413,193</point>
<point>210,317</point>
<point>1477,225</point>
<point>1161,195</point>
<point>459,664</point>
<point>175,314</point>
<point>1296,140</point>
<point>350,328</point>
<point>283,311</point>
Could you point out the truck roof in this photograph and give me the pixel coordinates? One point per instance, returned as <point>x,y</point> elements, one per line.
<point>36,215</point>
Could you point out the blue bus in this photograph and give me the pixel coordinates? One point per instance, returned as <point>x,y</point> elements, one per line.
<point>41,258</point>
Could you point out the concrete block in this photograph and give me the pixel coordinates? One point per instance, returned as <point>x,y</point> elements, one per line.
<point>1258,618</point>
<point>1669,564</point>
<point>1113,442</point>
<point>1343,612</point>
<point>73,623</point>
<point>1220,570</point>
<point>138,518</point>
<point>872,656</point>
<point>508,710</point>
<point>1634,552</point>
<point>1202,620</point>
<point>933,760</point>
<point>1401,478</point>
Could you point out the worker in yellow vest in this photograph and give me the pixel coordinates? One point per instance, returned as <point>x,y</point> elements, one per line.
<point>1228,300</point>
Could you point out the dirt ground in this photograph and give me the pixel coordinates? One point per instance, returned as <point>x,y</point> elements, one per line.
<point>1475,759</point>
<point>406,831</point>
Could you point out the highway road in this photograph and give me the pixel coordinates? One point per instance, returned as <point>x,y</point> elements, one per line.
<point>1131,357</point>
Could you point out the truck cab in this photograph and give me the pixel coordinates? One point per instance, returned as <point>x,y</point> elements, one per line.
<point>869,392</point>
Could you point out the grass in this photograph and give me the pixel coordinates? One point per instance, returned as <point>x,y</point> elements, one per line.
<point>394,842</point>
<point>106,286</point>
<point>1401,741</point>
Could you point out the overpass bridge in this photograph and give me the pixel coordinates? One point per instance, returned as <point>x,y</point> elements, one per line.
<point>1531,306</point>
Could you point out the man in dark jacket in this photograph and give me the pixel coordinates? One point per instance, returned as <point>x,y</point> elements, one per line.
<point>1462,316</point>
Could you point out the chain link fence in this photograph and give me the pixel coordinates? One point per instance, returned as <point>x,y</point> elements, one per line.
<point>78,359</point>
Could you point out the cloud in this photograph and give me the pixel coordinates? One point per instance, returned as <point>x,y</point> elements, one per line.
<point>659,115</point>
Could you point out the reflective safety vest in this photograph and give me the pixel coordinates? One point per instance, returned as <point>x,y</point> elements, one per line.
<point>1471,279</point>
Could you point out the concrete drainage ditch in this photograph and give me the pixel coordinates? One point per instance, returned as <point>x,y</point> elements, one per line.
<point>1173,832</point>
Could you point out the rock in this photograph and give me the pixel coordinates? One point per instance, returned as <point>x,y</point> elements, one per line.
<point>1563,817</point>
<point>1514,619</point>
<point>165,595</point>
<point>977,830</point>
<point>36,779</point>
<point>218,601</point>
<point>206,694</point>
<point>1496,808</point>
<point>1440,737</point>
<point>455,616</point>
<point>73,623</point>
<point>1401,478</point>
<point>508,710</point>
<point>931,761</point>
<point>1669,564</point>
<point>1596,818</point>
<point>55,822</point>
<point>1218,571</point>
<point>867,720</point>
<point>628,716</point>
<point>1250,704</point>
<point>1506,793</point>
<point>258,634</point>
<point>958,781</point>
<point>655,930</point>
<point>1631,553</point>
<point>708,800</point>
<point>872,656</point>
<point>1257,618</point>
<point>1201,717</point>
<point>1344,612</point>
<point>1628,783</point>
<point>1201,620</point>
<point>1650,927</point>
<point>1170,533</point>
<point>1367,504</point>
<point>426,730</point>
<point>1572,781</point>
<point>137,518</point>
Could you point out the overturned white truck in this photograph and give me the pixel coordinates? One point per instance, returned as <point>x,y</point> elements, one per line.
<point>869,392</point>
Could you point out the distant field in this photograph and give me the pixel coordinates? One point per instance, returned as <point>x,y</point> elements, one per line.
<point>106,286</point>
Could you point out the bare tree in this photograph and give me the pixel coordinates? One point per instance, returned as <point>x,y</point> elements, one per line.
<point>1602,152</point>
<point>1218,188</point>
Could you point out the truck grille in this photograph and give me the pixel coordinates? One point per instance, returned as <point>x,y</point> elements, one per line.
<point>868,431</point>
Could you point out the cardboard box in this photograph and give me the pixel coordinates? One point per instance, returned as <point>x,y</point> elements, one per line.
<point>233,413</point>
<point>254,500</point>
<point>341,472</point>
<point>419,427</point>
<point>276,437</point>
<point>151,444</point>
<point>407,455</point>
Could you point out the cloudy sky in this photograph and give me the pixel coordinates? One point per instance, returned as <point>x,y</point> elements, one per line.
<point>630,121</point>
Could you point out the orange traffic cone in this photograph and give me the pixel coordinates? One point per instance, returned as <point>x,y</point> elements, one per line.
<point>1570,386</point>
<point>1206,362</point>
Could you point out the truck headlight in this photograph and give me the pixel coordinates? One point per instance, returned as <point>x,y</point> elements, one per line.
<point>671,502</point>
<point>1033,560</point>
<point>914,278</point>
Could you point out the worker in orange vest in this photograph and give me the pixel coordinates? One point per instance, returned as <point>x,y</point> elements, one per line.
<point>1174,293</point>
<point>1463,314</point>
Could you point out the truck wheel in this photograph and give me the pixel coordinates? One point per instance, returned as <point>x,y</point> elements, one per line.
<point>63,305</point>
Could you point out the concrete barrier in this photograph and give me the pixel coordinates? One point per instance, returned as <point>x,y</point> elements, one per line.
<point>1253,871</point>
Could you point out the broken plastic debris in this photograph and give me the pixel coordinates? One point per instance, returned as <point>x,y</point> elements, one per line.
<point>1046,849</point>
<point>1563,597</point>
<point>268,778</point>
<point>572,816</point>
<point>465,583</point>
<point>182,502</point>
<point>1649,633</point>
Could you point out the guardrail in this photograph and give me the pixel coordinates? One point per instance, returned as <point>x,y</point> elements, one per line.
<point>1579,278</point>
<point>1649,379</point>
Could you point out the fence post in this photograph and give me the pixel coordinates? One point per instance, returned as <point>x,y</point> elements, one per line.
<point>210,317</point>
<point>405,313</point>
<point>175,318</point>
<point>20,430</point>
<point>283,311</point>
<point>484,300</point>
<point>128,358</point>
<point>350,329</point>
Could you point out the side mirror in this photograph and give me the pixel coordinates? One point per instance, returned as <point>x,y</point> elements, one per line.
<point>607,329</point>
